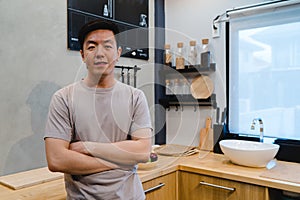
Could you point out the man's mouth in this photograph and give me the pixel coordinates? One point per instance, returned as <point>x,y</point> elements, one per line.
<point>100,63</point>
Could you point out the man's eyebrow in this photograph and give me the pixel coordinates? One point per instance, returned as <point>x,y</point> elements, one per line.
<point>91,42</point>
<point>108,41</point>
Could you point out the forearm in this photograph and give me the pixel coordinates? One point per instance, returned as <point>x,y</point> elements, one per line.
<point>128,152</point>
<point>80,164</point>
<point>61,159</point>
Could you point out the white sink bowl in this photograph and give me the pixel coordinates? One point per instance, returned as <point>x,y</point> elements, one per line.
<point>249,153</point>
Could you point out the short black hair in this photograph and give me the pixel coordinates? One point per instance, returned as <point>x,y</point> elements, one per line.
<point>96,25</point>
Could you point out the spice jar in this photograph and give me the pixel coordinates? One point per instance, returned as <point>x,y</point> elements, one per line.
<point>180,56</point>
<point>193,54</point>
<point>205,53</point>
<point>168,55</point>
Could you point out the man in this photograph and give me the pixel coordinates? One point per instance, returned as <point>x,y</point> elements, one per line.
<point>89,123</point>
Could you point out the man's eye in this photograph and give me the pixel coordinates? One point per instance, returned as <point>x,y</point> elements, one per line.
<point>108,46</point>
<point>90,47</point>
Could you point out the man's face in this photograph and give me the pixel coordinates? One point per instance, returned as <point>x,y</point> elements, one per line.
<point>100,52</point>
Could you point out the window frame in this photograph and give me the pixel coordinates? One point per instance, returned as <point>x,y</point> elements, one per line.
<point>227,63</point>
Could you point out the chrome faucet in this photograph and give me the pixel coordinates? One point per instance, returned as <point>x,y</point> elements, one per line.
<point>261,128</point>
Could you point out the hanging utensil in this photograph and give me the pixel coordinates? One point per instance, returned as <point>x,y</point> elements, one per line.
<point>128,77</point>
<point>122,75</point>
<point>135,68</point>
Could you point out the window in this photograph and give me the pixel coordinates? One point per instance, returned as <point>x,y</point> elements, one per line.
<point>264,72</point>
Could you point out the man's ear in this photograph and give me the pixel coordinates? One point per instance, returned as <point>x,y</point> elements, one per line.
<point>119,52</point>
<point>82,55</point>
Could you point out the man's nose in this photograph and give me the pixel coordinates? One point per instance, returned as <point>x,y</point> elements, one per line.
<point>99,51</point>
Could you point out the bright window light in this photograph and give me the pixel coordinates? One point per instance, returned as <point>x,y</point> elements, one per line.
<point>264,73</point>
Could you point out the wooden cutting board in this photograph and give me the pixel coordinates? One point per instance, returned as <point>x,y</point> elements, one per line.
<point>202,87</point>
<point>29,178</point>
<point>206,136</point>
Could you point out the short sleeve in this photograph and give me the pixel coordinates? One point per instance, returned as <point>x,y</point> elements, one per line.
<point>141,114</point>
<point>58,124</point>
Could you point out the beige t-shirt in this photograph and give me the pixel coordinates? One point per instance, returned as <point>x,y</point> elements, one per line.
<point>106,115</point>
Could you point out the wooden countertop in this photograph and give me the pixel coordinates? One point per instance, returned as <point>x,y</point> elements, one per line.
<point>209,164</point>
<point>219,166</point>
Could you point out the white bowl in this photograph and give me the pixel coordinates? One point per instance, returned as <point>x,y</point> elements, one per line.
<point>249,153</point>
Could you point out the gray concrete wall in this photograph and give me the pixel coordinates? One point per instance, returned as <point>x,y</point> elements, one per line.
<point>35,62</point>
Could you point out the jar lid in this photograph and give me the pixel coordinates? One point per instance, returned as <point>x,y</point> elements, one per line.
<point>180,44</point>
<point>167,46</point>
<point>205,41</point>
<point>192,43</point>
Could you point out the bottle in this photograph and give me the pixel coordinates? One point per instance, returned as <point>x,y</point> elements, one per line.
<point>180,56</point>
<point>205,53</point>
<point>193,54</point>
<point>168,55</point>
<point>105,11</point>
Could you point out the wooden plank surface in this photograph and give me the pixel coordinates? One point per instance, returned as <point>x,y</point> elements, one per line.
<point>29,178</point>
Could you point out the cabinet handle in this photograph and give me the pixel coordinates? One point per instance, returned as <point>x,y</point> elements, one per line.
<point>217,186</point>
<point>154,188</point>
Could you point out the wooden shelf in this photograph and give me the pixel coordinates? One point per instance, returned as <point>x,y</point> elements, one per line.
<point>190,69</point>
<point>187,100</point>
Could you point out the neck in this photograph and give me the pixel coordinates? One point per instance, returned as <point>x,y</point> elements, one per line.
<point>102,82</point>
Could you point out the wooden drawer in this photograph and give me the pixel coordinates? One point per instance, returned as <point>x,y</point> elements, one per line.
<point>163,187</point>
<point>195,186</point>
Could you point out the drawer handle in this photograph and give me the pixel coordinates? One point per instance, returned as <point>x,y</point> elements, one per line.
<point>154,188</point>
<point>217,186</point>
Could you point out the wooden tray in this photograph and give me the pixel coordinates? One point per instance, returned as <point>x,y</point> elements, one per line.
<point>175,150</point>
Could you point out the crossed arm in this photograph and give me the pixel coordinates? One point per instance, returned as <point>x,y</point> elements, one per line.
<point>91,157</point>
<point>128,152</point>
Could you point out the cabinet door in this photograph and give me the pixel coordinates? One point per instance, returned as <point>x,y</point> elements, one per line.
<point>163,187</point>
<point>194,186</point>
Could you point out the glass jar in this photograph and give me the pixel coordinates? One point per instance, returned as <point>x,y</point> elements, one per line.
<point>185,87</point>
<point>180,56</point>
<point>193,54</point>
<point>205,53</point>
<point>168,55</point>
<point>177,89</point>
<point>168,87</point>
